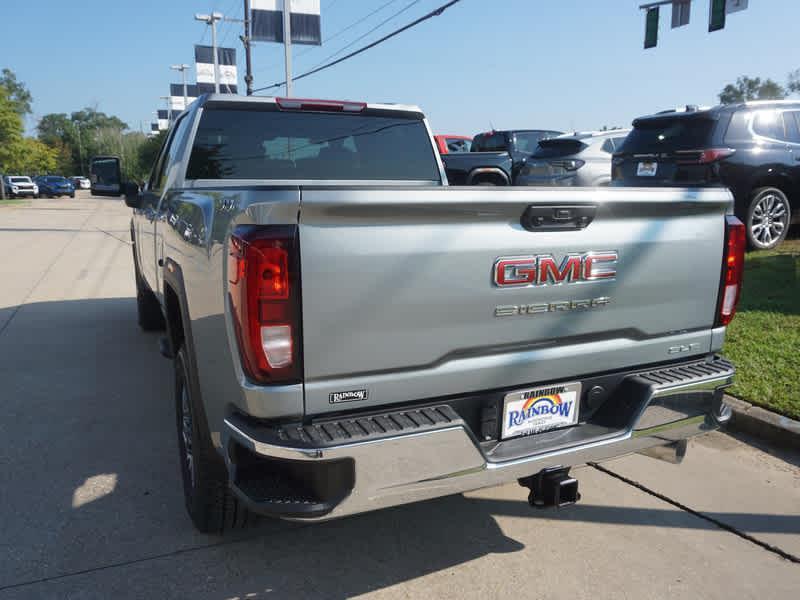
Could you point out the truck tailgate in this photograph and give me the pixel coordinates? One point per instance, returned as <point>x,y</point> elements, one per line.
<point>400,302</point>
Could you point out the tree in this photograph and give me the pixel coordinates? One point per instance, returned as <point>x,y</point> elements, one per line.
<point>55,128</point>
<point>30,156</point>
<point>10,130</point>
<point>793,83</point>
<point>19,95</point>
<point>751,88</point>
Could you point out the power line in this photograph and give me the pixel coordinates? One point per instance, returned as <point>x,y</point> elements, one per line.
<point>434,13</point>
<point>335,35</point>
<point>361,37</point>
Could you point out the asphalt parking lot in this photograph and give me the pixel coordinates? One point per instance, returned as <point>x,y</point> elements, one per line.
<point>91,496</point>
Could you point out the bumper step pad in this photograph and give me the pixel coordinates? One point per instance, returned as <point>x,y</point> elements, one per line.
<point>346,431</point>
<point>686,374</point>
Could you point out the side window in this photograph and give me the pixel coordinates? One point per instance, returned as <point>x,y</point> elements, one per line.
<point>608,146</point>
<point>790,124</point>
<point>618,141</point>
<point>738,131</point>
<point>168,154</point>
<point>769,124</point>
<point>157,167</point>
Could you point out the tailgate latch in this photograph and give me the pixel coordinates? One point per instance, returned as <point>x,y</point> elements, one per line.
<point>558,217</point>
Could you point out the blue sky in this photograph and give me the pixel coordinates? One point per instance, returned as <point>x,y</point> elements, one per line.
<point>562,64</point>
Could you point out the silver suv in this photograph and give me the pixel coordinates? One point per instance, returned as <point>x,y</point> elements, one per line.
<point>579,159</point>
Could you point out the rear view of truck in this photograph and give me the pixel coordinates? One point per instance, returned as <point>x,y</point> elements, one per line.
<point>365,336</point>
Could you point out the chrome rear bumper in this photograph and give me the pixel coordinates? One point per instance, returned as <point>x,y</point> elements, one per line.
<point>427,460</point>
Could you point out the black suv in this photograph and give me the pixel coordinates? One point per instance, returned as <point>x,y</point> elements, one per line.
<point>752,148</point>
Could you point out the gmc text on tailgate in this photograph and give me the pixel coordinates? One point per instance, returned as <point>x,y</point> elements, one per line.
<point>350,333</point>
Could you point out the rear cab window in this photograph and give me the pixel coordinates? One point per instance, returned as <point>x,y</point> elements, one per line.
<point>527,141</point>
<point>262,142</point>
<point>457,145</point>
<point>490,142</point>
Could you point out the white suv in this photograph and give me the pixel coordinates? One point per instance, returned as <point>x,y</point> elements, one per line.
<point>17,185</point>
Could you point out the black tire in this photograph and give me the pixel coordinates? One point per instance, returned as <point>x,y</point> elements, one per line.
<point>72,195</point>
<point>149,311</point>
<point>485,182</point>
<point>768,218</point>
<point>209,500</point>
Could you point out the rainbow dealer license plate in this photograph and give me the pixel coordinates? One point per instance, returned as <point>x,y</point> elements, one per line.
<point>540,409</point>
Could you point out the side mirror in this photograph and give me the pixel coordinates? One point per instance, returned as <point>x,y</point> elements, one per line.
<point>133,197</point>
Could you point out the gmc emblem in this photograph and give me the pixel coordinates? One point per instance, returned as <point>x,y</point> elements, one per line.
<point>542,269</point>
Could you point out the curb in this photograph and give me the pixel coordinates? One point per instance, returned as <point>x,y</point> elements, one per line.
<point>763,424</point>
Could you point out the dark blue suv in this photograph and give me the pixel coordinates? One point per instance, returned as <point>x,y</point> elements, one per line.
<point>752,148</point>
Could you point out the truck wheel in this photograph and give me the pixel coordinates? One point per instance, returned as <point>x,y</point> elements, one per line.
<point>149,312</point>
<point>209,501</point>
<point>768,217</point>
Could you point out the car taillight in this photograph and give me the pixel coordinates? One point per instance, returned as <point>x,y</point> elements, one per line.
<point>703,157</point>
<point>264,290</point>
<point>732,269</point>
<point>714,154</point>
<point>569,165</point>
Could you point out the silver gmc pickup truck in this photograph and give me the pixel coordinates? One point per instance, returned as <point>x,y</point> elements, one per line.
<point>350,333</point>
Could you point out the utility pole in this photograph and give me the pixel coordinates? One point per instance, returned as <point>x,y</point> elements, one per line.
<point>287,44</point>
<point>248,76</point>
<point>212,20</point>
<point>80,145</point>
<point>182,68</point>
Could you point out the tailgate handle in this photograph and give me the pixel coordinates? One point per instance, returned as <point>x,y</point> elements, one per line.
<point>558,217</point>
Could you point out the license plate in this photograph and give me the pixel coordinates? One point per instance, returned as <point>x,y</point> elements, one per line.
<point>647,169</point>
<point>534,410</point>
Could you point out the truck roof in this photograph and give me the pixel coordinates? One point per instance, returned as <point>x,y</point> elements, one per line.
<point>233,98</point>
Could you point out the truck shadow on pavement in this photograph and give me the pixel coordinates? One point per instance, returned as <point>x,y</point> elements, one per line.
<point>90,471</point>
<point>90,475</point>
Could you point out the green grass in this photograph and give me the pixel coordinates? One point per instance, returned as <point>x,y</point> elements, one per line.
<point>15,202</point>
<point>764,338</point>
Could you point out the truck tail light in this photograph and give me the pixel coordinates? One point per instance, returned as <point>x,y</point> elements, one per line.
<point>264,291</point>
<point>732,269</point>
<point>320,105</point>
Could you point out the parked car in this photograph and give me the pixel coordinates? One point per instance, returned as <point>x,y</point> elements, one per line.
<point>18,186</point>
<point>453,144</point>
<point>581,159</point>
<point>442,344</point>
<point>80,182</point>
<point>495,157</point>
<point>54,186</point>
<point>753,148</point>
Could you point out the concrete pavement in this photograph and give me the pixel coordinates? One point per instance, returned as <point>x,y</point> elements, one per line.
<point>91,494</point>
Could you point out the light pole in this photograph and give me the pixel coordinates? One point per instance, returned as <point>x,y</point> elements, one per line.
<point>287,45</point>
<point>80,144</point>
<point>212,20</point>
<point>248,77</point>
<point>182,68</point>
